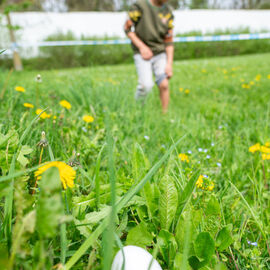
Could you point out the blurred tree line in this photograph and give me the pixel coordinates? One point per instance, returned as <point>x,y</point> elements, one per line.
<point>122,5</point>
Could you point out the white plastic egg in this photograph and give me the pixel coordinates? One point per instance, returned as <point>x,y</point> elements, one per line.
<point>136,258</point>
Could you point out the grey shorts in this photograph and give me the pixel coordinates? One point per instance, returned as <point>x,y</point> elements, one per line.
<point>145,69</point>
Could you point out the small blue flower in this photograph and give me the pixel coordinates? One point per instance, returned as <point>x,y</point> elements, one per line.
<point>205,150</point>
<point>84,129</point>
<point>146,137</point>
<point>218,164</point>
<point>189,152</point>
<point>200,149</point>
<point>212,144</point>
<point>208,156</point>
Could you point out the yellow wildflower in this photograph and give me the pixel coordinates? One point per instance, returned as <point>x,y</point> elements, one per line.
<point>184,158</point>
<point>88,118</point>
<point>181,89</point>
<point>211,186</point>
<point>204,71</point>
<point>28,105</point>
<point>187,91</point>
<point>245,86</point>
<point>251,83</point>
<point>258,77</point>
<point>67,173</point>
<point>54,117</point>
<point>19,89</point>
<point>199,182</point>
<point>267,144</point>
<point>265,149</point>
<point>266,156</point>
<point>65,104</point>
<point>254,148</point>
<point>268,76</point>
<point>43,115</point>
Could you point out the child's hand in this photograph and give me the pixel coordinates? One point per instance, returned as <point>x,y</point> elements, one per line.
<point>169,71</point>
<point>146,53</point>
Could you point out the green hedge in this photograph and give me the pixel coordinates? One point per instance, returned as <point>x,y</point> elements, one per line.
<point>79,56</point>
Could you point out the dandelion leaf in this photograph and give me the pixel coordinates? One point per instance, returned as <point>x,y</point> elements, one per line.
<point>168,201</point>
<point>139,236</point>
<point>49,207</point>
<point>25,150</point>
<point>224,239</point>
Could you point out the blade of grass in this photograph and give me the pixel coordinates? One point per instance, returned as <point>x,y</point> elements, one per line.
<point>7,224</point>
<point>250,209</point>
<point>128,196</point>
<point>96,178</point>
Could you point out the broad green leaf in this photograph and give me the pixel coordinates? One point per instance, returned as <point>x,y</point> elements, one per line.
<point>149,195</point>
<point>84,228</point>
<point>139,236</point>
<point>167,202</point>
<point>213,207</point>
<point>220,266</point>
<point>25,150</point>
<point>49,207</point>
<point>204,247</point>
<point>167,245</point>
<point>178,262</point>
<point>224,239</point>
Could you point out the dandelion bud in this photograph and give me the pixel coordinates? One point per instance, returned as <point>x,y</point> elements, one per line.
<point>43,142</point>
<point>38,78</point>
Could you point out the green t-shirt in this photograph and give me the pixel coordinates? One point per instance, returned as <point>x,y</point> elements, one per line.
<point>152,24</point>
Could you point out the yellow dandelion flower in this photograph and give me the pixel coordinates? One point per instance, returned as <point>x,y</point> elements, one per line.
<point>268,76</point>
<point>65,104</point>
<point>199,182</point>
<point>211,186</point>
<point>19,89</point>
<point>54,117</point>
<point>88,118</point>
<point>258,77</point>
<point>43,115</point>
<point>184,158</point>
<point>245,86</point>
<point>67,173</point>
<point>204,71</point>
<point>181,89</point>
<point>225,71</point>
<point>28,105</point>
<point>254,148</point>
<point>266,156</point>
<point>265,150</point>
<point>252,83</point>
<point>267,144</point>
<point>242,80</point>
<point>187,91</point>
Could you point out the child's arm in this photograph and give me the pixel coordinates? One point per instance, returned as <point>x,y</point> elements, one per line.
<point>145,51</point>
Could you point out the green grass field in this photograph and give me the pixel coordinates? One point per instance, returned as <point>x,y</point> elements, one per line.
<point>132,186</point>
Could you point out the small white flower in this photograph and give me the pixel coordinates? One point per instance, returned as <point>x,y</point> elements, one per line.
<point>205,176</point>
<point>208,156</point>
<point>172,120</point>
<point>212,144</point>
<point>84,129</point>
<point>189,152</point>
<point>205,150</point>
<point>199,162</point>
<point>163,146</point>
<point>146,137</point>
<point>218,164</point>
<point>200,149</point>
<point>220,127</point>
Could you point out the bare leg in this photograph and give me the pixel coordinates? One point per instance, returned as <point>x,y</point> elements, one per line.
<point>164,95</point>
